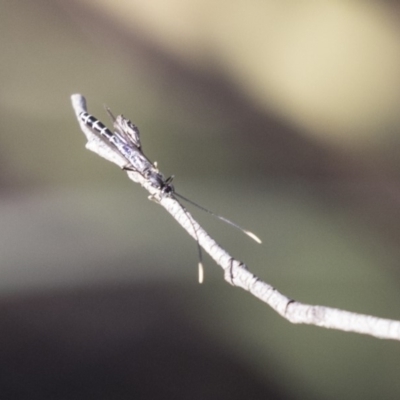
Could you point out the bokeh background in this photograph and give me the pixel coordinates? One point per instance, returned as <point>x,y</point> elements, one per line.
<point>281,115</point>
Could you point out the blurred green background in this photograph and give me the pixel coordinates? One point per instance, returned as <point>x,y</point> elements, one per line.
<point>280,115</point>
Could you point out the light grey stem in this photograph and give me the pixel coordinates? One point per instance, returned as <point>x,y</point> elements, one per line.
<point>236,272</point>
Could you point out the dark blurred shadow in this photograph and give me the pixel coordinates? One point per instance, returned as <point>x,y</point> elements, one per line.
<point>117,343</point>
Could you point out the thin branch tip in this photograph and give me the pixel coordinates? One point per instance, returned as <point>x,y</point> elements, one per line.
<point>78,103</point>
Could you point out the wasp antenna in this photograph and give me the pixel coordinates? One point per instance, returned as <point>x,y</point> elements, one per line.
<point>200,265</point>
<point>253,236</point>
<point>201,273</point>
<point>226,220</point>
<point>110,113</point>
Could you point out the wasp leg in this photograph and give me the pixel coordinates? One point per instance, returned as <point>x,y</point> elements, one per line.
<point>129,167</point>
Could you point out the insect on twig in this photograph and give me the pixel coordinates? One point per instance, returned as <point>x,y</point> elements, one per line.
<point>123,148</point>
<point>126,140</point>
